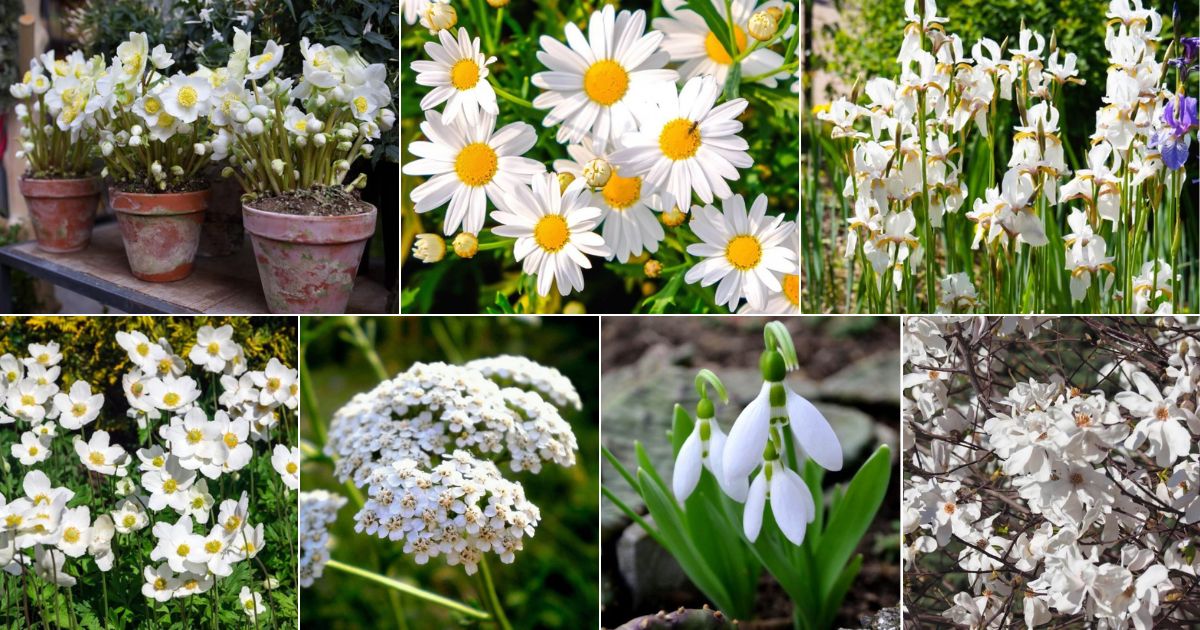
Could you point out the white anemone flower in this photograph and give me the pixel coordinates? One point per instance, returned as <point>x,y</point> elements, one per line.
<point>287,464</point>
<point>45,355</point>
<point>30,450</point>
<point>746,252</point>
<point>251,603</point>
<point>458,74</point>
<point>79,407</point>
<point>684,142</point>
<point>99,456</point>
<point>554,232</point>
<point>172,394</point>
<point>75,531</point>
<point>214,348</point>
<point>594,86</point>
<point>470,162</point>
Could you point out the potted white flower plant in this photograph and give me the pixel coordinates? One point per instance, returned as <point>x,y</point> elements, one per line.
<point>155,139</point>
<point>291,143</point>
<point>57,113</point>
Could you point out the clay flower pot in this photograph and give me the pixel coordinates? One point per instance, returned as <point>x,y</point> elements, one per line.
<point>307,264</point>
<point>62,211</point>
<point>161,231</point>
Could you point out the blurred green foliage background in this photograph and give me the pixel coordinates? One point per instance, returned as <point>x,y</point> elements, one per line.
<point>553,582</point>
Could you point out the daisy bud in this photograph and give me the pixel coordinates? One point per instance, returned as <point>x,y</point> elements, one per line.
<point>762,26</point>
<point>574,307</point>
<point>438,16</point>
<point>776,13</point>
<point>254,126</point>
<point>277,166</point>
<point>320,139</point>
<point>564,180</point>
<point>674,218</point>
<point>652,268</point>
<point>430,248</point>
<point>597,172</point>
<point>466,245</point>
<point>199,148</point>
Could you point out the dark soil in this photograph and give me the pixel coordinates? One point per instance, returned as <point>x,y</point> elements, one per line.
<point>318,201</point>
<point>824,345</point>
<point>141,188</point>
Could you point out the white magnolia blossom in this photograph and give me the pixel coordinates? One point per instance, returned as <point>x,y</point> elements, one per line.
<point>422,444</point>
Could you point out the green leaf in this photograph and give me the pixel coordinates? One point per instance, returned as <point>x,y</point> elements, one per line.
<point>681,428</point>
<point>833,600</point>
<point>851,517</point>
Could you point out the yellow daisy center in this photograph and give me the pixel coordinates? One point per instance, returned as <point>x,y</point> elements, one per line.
<point>187,96</point>
<point>717,52</point>
<point>622,192</point>
<point>551,232</point>
<point>464,75</point>
<point>606,82</point>
<point>291,468</point>
<point>791,288</point>
<point>679,139</point>
<point>97,458</point>
<point>476,164</point>
<point>171,399</point>
<point>744,252</point>
<point>71,535</point>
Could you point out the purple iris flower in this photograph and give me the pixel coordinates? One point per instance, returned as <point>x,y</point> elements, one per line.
<point>1173,143</point>
<point>1187,61</point>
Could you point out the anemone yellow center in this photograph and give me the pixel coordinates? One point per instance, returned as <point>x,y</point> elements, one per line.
<point>152,106</point>
<point>606,82</point>
<point>291,468</point>
<point>622,192</point>
<point>194,436</point>
<point>551,232</point>
<point>183,550</point>
<point>43,358</point>
<point>40,499</point>
<point>214,348</point>
<point>28,400</point>
<point>164,366</point>
<point>679,139</point>
<point>71,535</point>
<point>476,164</point>
<point>233,522</point>
<point>171,399</point>
<point>212,546</point>
<point>129,520</point>
<point>136,389</point>
<point>33,450</point>
<point>170,486</point>
<point>717,52</point>
<point>791,288</point>
<point>160,584</point>
<point>13,520</point>
<point>301,124</point>
<point>97,458</point>
<point>78,409</point>
<point>12,377</point>
<point>135,63</point>
<point>187,96</point>
<point>231,440</point>
<point>463,75</point>
<point>157,462</point>
<point>191,585</point>
<point>743,252</point>
<point>197,503</point>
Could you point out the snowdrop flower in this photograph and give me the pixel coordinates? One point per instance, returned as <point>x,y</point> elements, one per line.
<point>791,501</point>
<point>703,447</point>
<point>286,463</point>
<point>79,407</point>
<point>99,456</point>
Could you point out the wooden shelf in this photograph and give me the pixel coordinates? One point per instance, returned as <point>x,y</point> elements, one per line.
<point>225,285</point>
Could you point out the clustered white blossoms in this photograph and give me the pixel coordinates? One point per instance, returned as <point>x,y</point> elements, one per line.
<point>758,446</point>
<point>426,443</point>
<point>907,161</point>
<point>1056,500</point>
<point>168,479</point>
<point>57,111</point>
<point>318,510</point>
<point>642,140</point>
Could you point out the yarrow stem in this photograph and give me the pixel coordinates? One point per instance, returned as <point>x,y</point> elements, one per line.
<point>407,589</point>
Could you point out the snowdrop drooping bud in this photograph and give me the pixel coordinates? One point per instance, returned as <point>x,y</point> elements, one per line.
<point>704,446</point>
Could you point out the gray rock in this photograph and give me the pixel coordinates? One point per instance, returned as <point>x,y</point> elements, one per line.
<point>855,430</point>
<point>874,380</point>
<point>648,569</point>
<point>886,619</point>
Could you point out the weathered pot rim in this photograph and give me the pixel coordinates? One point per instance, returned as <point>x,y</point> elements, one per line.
<point>156,204</point>
<point>295,228</point>
<point>113,190</point>
<point>59,187</point>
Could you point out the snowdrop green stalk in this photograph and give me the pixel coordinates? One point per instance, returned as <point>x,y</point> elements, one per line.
<point>722,545</point>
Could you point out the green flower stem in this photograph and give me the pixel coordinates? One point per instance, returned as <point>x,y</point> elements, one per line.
<point>359,339</point>
<point>787,67</point>
<point>419,593</point>
<point>492,598</point>
<point>508,96</point>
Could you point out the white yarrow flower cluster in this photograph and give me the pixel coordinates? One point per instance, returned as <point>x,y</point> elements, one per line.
<point>318,510</point>
<point>424,443</point>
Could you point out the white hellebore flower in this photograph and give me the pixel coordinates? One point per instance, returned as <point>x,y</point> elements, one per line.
<point>186,98</point>
<point>259,66</point>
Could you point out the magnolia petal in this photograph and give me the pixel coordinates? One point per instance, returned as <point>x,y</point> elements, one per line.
<point>812,430</point>
<point>748,438</point>
<point>756,500</point>
<point>687,466</point>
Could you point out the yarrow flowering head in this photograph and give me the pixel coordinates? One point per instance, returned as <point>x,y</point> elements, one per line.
<point>426,443</point>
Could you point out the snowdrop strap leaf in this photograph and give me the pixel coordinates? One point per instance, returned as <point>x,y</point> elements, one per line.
<point>854,513</point>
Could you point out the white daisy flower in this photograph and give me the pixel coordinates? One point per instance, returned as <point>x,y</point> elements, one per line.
<point>689,41</point>
<point>684,144</point>
<point>470,163</point>
<point>458,75</point>
<point>628,204</point>
<point>553,229</point>
<point>785,302</point>
<point>593,86</point>
<point>186,98</point>
<point>746,252</point>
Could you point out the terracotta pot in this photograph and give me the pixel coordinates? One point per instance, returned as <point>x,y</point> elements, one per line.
<point>161,231</point>
<point>307,264</point>
<point>62,211</point>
